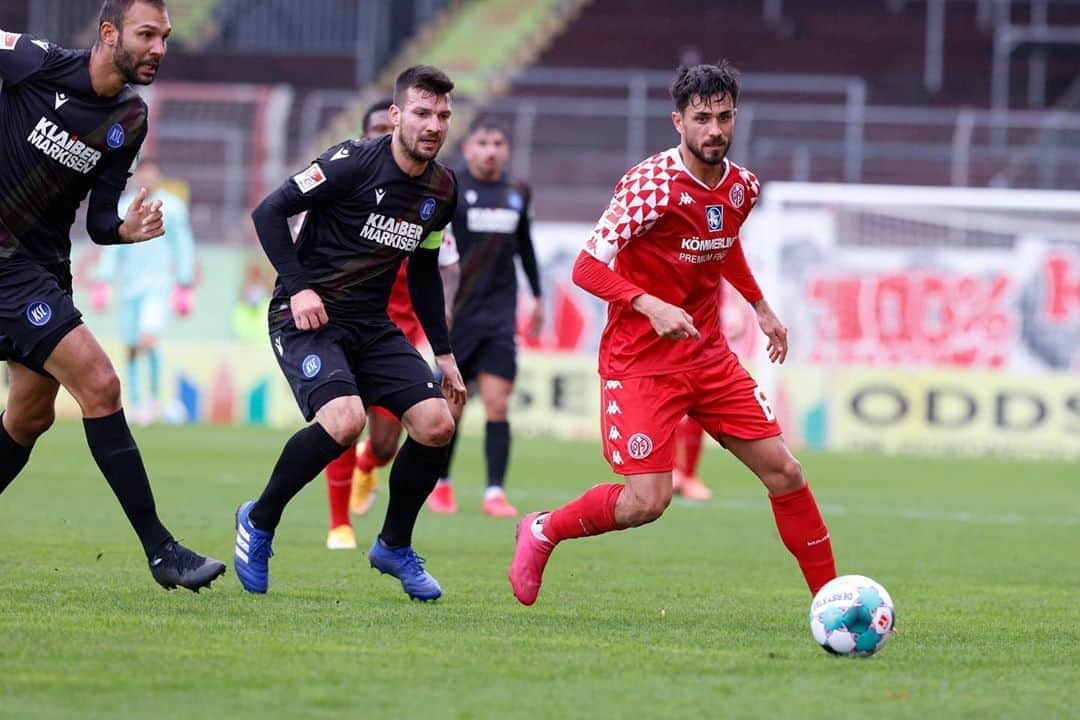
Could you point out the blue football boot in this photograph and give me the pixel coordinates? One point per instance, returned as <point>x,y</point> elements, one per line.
<point>408,567</point>
<point>252,556</point>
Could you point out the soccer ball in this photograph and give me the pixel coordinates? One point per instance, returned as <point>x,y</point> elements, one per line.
<point>852,615</point>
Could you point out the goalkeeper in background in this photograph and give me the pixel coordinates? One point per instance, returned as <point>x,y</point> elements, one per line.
<point>148,277</point>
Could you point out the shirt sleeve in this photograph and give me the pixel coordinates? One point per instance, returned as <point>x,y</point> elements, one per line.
<point>736,270</point>
<point>20,56</point>
<point>102,219</point>
<point>596,278</point>
<point>526,251</point>
<point>426,293</point>
<point>321,183</point>
<point>634,209</point>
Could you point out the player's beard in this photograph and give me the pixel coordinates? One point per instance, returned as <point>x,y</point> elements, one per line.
<point>708,155</point>
<point>412,148</point>
<point>129,66</point>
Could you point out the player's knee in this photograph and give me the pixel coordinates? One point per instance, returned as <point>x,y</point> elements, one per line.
<point>100,391</point>
<point>645,508</point>
<point>384,448</point>
<point>31,426</point>
<point>655,506</point>
<point>437,431</point>
<point>789,477</point>
<point>347,426</point>
<point>497,411</point>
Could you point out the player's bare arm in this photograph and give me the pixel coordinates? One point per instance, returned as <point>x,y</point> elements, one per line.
<point>142,221</point>
<point>669,321</point>
<point>536,319</point>
<point>453,386</point>
<point>307,310</point>
<point>773,329</point>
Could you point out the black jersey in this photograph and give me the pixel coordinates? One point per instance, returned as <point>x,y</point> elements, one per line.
<point>491,225</point>
<point>364,216</point>
<point>59,140</point>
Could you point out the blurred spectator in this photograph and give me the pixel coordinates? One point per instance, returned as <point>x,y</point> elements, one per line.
<point>148,276</point>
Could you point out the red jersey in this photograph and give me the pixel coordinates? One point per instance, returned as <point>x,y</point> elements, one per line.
<point>400,309</point>
<point>674,237</point>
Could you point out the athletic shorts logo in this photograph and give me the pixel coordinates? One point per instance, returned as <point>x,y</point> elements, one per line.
<point>38,313</point>
<point>737,195</point>
<point>311,366</point>
<point>639,446</point>
<point>115,138</point>
<point>714,215</point>
<point>427,209</point>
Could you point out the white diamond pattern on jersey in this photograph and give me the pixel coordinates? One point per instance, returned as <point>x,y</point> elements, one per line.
<point>640,198</point>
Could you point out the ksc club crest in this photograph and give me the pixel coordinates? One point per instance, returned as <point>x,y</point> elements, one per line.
<point>427,209</point>
<point>311,366</point>
<point>38,313</point>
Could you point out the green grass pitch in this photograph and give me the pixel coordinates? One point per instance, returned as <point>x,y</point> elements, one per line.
<point>700,615</point>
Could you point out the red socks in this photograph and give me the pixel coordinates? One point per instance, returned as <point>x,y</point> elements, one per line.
<point>805,535</point>
<point>591,514</point>
<point>366,460</point>
<point>339,486</point>
<point>688,435</point>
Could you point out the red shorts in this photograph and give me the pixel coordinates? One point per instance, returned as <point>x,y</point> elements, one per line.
<point>638,415</point>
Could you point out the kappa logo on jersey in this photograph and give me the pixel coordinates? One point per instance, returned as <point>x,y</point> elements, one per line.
<point>341,153</point>
<point>639,446</point>
<point>66,149</point>
<point>613,385</point>
<point>492,220</point>
<point>311,366</point>
<point>614,434</point>
<point>8,40</point>
<point>310,179</point>
<point>398,234</point>
<point>616,458</point>
<point>427,209</point>
<point>737,195</point>
<point>115,138</point>
<point>686,199</point>
<point>38,313</point>
<point>61,98</point>
<point>714,216</point>
<point>613,408</point>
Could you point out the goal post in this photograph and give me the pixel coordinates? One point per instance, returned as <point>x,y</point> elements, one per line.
<point>937,320</point>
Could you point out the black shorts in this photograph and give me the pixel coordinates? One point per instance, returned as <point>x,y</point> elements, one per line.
<point>484,352</point>
<point>377,363</point>
<point>36,311</point>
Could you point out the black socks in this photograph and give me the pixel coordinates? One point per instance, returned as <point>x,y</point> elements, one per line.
<point>13,456</point>
<point>497,451</point>
<point>304,456</point>
<point>412,478</point>
<point>116,455</point>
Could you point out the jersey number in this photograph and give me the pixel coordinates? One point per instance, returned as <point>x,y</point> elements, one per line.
<point>759,395</point>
